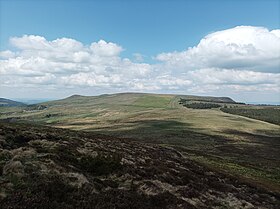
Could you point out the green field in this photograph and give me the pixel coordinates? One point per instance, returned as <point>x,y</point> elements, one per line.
<point>238,145</point>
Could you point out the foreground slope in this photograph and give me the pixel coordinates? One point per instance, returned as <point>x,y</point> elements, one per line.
<point>43,167</point>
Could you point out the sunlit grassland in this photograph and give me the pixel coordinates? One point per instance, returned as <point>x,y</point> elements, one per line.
<point>129,111</point>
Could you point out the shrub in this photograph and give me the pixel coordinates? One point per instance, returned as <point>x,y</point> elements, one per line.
<point>201,105</point>
<point>271,115</point>
<point>1,170</point>
<point>100,165</point>
<point>66,155</point>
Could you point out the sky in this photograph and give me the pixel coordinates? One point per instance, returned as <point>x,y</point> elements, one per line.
<point>53,49</point>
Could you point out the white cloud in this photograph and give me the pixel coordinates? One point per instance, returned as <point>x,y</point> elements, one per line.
<point>7,54</point>
<point>242,47</point>
<point>138,57</point>
<point>241,59</point>
<point>31,42</point>
<point>69,62</point>
<point>102,48</point>
<point>233,77</point>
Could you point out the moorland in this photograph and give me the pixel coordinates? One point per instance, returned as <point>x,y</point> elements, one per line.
<point>147,150</point>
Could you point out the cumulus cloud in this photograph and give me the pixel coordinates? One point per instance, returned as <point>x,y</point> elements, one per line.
<point>240,59</point>
<point>242,47</point>
<point>233,77</point>
<point>102,48</point>
<point>70,63</point>
<point>6,54</point>
<point>31,42</point>
<point>138,57</point>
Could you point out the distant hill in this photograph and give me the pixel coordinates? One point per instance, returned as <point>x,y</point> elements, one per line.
<point>10,103</point>
<point>138,99</point>
<point>74,96</point>
<point>109,100</point>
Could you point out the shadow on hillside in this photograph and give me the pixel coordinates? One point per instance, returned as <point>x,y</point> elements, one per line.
<point>258,147</point>
<point>160,131</point>
<point>250,150</point>
<point>262,137</point>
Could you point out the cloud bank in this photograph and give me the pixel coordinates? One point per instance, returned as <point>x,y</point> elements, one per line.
<point>237,60</point>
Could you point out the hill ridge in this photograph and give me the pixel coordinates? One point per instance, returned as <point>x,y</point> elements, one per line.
<point>10,103</point>
<point>191,97</point>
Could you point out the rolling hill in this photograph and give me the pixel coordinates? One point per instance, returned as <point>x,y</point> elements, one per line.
<point>10,103</point>
<point>244,147</point>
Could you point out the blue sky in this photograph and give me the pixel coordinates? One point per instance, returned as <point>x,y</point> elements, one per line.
<point>144,26</point>
<point>153,30</point>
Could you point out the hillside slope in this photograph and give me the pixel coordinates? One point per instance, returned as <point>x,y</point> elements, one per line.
<point>43,167</point>
<point>10,103</point>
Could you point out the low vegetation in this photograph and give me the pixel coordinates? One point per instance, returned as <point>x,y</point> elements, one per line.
<point>208,99</point>
<point>201,105</point>
<point>268,114</point>
<point>101,164</point>
<point>57,168</point>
